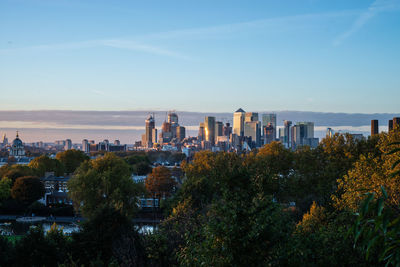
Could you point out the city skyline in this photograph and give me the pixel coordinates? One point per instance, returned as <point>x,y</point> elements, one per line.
<point>301,55</point>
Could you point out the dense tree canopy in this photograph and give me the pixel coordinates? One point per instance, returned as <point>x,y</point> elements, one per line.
<point>104,182</point>
<point>44,164</point>
<point>27,189</point>
<point>71,159</point>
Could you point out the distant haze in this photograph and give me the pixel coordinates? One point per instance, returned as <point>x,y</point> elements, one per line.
<point>127,126</point>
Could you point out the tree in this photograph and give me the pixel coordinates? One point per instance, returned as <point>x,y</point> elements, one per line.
<point>15,171</point>
<point>71,159</point>
<point>371,172</point>
<point>5,188</point>
<point>44,164</point>
<point>160,182</point>
<point>27,189</point>
<point>109,236</point>
<point>104,182</point>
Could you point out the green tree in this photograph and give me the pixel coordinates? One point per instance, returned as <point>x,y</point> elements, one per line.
<point>37,249</point>
<point>104,182</point>
<point>27,189</point>
<point>44,164</point>
<point>160,182</point>
<point>370,173</point>
<point>109,237</point>
<point>5,188</point>
<point>71,159</point>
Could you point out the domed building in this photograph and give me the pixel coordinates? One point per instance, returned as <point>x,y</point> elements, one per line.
<point>17,147</point>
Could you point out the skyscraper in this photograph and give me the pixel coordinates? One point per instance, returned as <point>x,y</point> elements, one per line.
<point>68,144</point>
<point>180,133</point>
<point>269,133</point>
<point>209,129</point>
<point>85,146</point>
<point>252,129</point>
<point>303,134</point>
<point>251,116</point>
<point>390,126</point>
<point>238,122</point>
<point>374,127</point>
<point>219,128</point>
<point>269,119</point>
<point>287,138</point>
<point>396,122</point>
<point>201,134</point>
<point>150,135</point>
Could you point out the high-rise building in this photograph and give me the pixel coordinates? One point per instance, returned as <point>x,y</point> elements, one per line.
<point>68,144</point>
<point>287,138</point>
<point>209,129</point>
<point>150,135</point>
<point>390,126</point>
<point>117,142</point>
<point>269,119</point>
<point>219,128</point>
<point>396,122</point>
<point>269,134</point>
<point>227,129</point>
<point>303,134</point>
<point>238,122</point>
<point>251,116</point>
<point>252,129</point>
<point>329,132</point>
<point>180,133</point>
<point>5,140</point>
<point>201,135</point>
<point>374,127</point>
<point>85,146</point>
<point>172,117</point>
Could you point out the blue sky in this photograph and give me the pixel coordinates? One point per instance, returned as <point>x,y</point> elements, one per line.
<point>310,55</point>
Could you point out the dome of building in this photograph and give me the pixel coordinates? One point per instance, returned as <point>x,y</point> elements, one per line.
<point>17,142</point>
<point>17,148</point>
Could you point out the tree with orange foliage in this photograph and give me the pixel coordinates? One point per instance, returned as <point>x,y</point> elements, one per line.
<point>159,183</point>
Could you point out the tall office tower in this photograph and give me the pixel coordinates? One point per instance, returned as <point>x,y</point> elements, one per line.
<point>396,122</point>
<point>166,127</point>
<point>154,135</point>
<point>180,133</point>
<point>238,122</point>
<point>209,129</point>
<point>68,144</point>
<point>269,119</point>
<point>172,117</point>
<point>227,129</point>
<point>390,126</point>
<point>85,146</point>
<point>287,133</point>
<point>251,116</point>
<point>219,128</point>
<point>201,135</point>
<point>117,142</point>
<point>252,129</point>
<point>5,140</point>
<point>147,138</point>
<point>281,135</point>
<point>303,134</point>
<point>374,127</point>
<point>329,132</point>
<point>269,133</point>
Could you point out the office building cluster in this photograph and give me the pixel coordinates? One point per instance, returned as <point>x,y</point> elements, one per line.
<point>249,130</point>
<point>170,138</point>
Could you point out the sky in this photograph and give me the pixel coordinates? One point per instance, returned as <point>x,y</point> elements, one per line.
<point>305,55</point>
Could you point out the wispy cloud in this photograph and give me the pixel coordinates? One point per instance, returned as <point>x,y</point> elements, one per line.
<point>274,24</point>
<point>374,9</point>
<point>140,43</point>
<point>113,43</point>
